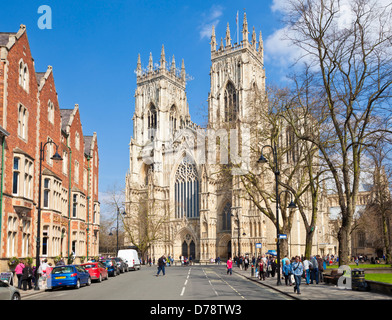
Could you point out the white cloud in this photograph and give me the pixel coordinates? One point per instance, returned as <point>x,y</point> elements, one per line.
<point>210,19</point>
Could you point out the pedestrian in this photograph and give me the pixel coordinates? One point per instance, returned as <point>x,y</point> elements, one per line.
<point>229,265</point>
<point>246,262</point>
<point>19,273</point>
<point>286,270</point>
<point>297,269</point>
<point>273,268</point>
<point>262,269</point>
<point>320,267</point>
<point>27,276</point>
<point>161,265</point>
<point>315,272</point>
<point>307,270</point>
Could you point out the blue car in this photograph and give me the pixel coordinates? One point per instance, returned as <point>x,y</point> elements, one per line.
<point>69,275</point>
<point>112,267</point>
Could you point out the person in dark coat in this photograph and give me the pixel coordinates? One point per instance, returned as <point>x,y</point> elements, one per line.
<point>27,276</point>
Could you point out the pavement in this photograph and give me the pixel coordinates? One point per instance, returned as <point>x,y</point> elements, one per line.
<point>321,291</point>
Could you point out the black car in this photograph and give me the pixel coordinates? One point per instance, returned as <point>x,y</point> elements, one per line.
<point>122,265</point>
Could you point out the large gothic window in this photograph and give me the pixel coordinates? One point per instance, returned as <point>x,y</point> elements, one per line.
<point>231,104</point>
<point>152,121</point>
<point>173,119</point>
<point>186,190</point>
<point>226,217</point>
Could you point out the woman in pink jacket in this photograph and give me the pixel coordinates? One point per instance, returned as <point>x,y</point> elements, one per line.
<point>19,272</point>
<point>229,265</point>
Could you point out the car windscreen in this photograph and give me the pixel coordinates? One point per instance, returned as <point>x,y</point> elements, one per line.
<point>58,270</point>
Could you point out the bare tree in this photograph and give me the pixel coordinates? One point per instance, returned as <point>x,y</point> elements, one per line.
<point>349,53</point>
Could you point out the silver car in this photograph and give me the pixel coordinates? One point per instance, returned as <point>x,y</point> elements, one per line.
<point>8,292</point>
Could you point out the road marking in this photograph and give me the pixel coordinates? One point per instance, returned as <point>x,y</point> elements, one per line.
<point>230,286</point>
<point>186,281</point>
<point>216,293</point>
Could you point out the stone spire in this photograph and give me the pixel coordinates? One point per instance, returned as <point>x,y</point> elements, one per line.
<point>261,47</point>
<point>213,39</point>
<point>245,30</point>
<point>228,38</point>
<point>150,64</point>
<point>254,41</point>
<point>163,59</point>
<point>173,66</point>
<point>139,66</point>
<point>183,74</point>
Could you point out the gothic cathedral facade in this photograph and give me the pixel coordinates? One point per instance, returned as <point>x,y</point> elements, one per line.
<point>191,208</point>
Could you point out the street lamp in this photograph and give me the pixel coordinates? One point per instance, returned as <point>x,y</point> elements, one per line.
<point>110,234</point>
<point>244,234</point>
<point>55,157</point>
<point>292,205</point>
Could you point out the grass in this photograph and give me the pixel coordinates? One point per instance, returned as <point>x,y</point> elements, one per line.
<point>379,277</point>
<point>362,266</point>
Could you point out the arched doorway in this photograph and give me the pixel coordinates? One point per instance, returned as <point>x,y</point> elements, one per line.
<point>229,249</point>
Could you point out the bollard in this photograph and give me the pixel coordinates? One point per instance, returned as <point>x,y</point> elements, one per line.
<point>252,271</point>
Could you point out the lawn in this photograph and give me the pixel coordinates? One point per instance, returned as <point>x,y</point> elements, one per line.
<point>379,277</point>
<point>362,266</point>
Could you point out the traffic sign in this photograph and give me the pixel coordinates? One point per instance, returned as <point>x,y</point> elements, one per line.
<point>283,236</point>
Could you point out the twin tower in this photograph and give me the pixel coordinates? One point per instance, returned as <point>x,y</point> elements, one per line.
<point>161,106</point>
<point>177,186</point>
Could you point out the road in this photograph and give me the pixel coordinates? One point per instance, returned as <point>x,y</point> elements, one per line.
<point>180,283</point>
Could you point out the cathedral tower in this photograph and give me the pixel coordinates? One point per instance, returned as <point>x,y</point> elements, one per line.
<point>237,69</point>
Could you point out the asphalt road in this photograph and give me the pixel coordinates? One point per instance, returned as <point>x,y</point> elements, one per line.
<point>180,283</point>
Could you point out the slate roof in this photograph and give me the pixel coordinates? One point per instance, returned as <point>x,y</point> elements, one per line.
<point>5,38</point>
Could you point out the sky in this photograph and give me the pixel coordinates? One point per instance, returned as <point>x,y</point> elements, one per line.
<point>93,47</point>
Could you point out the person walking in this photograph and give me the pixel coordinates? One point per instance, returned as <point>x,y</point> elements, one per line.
<point>161,265</point>
<point>229,265</point>
<point>306,265</point>
<point>262,269</point>
<point>19,273</point>
<point>286,270</point>
<point>27,276</point>
<point>315,271</point>
<point>297,269</point>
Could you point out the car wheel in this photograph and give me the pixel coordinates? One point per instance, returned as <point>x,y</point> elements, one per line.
<point>15,296</point>
<point>100,278</point>
<point>88,282</point>
<point>77,286</point>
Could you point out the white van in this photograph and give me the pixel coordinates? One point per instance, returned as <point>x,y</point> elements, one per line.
<point>131,257</point>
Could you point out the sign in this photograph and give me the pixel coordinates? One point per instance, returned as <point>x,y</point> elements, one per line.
<point>7,276</point>
<point>258,245</point>
<point>283,236</point>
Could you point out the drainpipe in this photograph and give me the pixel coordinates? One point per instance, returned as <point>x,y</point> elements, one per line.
<point>69,198</point>
<point>1,187</point>
<point>88,201</point>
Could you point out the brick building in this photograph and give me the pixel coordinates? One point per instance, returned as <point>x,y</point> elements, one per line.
<point>31,119</point>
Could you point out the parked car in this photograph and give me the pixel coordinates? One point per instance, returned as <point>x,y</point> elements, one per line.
<point>131,257</point>
<point>68,275</point>
<point>122,265</point>
<point>8,292</point>
<point>97,270</point>
<point>112,267</point>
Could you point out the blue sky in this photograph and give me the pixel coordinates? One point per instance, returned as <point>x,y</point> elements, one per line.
<point>93,48</point>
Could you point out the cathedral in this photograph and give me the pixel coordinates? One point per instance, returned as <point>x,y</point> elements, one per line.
<point>175,173</point>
